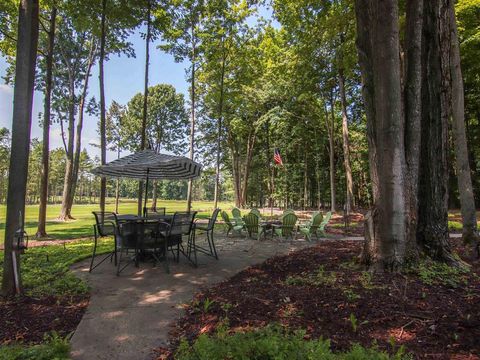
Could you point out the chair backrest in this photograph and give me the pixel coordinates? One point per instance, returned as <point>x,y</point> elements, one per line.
<point>256,212</point>
<point>127,234</point>
<point>226,218</point>
<point>288,223</point>
<point>106,222</point>
<point>251,223</point>
<point>182,223</point>
<point>315,221</point>
<point>236,213</point>
<point>154,213</point>
<point>286,212</point>
<point>325,220</point>
<point>213,219</point>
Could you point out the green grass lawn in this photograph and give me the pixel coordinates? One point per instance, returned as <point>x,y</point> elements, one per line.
<point>82,225</point>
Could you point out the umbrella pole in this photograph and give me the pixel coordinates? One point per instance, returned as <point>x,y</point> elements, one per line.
<point>146,195</point>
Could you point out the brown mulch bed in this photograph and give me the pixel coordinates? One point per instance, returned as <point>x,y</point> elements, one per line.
<point>28,320</point>
<point>432,321</point>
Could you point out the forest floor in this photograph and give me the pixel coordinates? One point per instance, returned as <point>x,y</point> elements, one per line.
<point>434,311</point>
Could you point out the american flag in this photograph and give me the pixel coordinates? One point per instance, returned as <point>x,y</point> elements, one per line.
<point>276,157</point>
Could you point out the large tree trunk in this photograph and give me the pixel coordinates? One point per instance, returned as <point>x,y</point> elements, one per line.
<point>145,105</point>
<point>413,114</point>
<point>465,187</point>
<point>101,77</point>
<point>350,200</point>
<point>432,231</point>
<point>379,41</point>
<point>27,41</point>
<point>42,210</point>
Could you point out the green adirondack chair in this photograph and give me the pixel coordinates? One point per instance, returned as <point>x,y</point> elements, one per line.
<point>288,227</point>
<point>311,226</point>
<point>326,219</point>
<point>252,225</point>
<point>256,212</point>
<point>237,216</point>
<point>230,226</point>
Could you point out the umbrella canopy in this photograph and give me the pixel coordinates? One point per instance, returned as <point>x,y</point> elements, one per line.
<point>147,164</point>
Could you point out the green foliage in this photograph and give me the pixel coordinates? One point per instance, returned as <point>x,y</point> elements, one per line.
<point>351,295</point>
<point>167,120</point>
<point>53,348</point>
<point>272,343</point>
<point>319,278</point>
<point>45,270</point>
<point>436,273</point>
<point>207,303</point>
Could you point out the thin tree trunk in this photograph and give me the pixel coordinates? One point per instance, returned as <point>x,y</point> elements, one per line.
<point>331,154</point>
<point>246,172</point>
<point>350,200</point>
<point>42,210</point>
<point>145,104</point>
<point>219,135</point>
<point>78,135</point>
<point>26,57</point>
<point>192,126</point>
<point>154,195</point>
<point>68,180</point>
<point>101,76</point>
<point>117,185</point>
<point>467,202</point>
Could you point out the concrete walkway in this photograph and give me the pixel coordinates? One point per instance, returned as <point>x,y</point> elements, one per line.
<point>129,315</point>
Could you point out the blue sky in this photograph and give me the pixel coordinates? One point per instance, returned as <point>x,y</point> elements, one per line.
<point>124,77</point>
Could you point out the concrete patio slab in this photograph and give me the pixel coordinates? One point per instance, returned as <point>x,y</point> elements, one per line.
<point>129,315</point>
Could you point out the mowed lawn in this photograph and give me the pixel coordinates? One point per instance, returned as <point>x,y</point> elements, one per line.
<point>82,225</point>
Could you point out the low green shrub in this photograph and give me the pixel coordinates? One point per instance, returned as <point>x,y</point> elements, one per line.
<point>54,348</point>
<point>319,278</point>
<point>273,342</point>
<point>436,273</point>
<point>45,270</point>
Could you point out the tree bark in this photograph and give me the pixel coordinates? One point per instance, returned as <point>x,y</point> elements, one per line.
<point>42,210</point>
<point>219,133</point>
<point>379,41</point>
<point>145,104</point>
<point>68,180</point>
<point>350,200</point>
<point>101,77</point>
<point>331,154</point>
<point>432,230</point>
<point>78,135</point>
<point>467,202</point>
<point>26,57</point>
<point>192,125</point>
<point>413,114</point>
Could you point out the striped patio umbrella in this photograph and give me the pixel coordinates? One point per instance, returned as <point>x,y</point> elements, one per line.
<point>148,164</point>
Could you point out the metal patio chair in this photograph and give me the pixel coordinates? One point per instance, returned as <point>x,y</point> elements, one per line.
<point>105,225</point>
<point>208,229</point>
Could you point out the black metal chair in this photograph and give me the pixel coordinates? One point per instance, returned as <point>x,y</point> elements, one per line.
<point>105,225</point>
<point>180,226</point>
<point>208,229</point>
<point>144,238</point>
